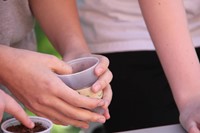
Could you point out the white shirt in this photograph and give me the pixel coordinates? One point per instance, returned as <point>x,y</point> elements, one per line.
<point>118,26</point>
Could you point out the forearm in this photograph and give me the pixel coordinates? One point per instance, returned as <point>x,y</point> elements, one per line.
<point>167,24</point>
<point>60,22</point>
<point>7,58</point>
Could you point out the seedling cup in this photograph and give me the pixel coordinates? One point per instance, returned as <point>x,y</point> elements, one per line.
<point>14,122</point>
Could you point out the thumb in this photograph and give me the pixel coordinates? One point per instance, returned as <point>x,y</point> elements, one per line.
<point>194,129</point>
<point>62,67</point>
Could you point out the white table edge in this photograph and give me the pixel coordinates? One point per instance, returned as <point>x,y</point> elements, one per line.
<point>175,128</point>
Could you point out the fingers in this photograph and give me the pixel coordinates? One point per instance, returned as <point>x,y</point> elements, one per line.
<point>103,81</point>
<point>104,74</point>
<point>102,66</point>
<point>105,77</point>
<point>68,95</point>
<point>59,66</point>
<point>66,114</point>
<point>63,120</point>
<point>107,98</point>
<point>194,129</point>
<point>13,108</point>
<point>107,114</point>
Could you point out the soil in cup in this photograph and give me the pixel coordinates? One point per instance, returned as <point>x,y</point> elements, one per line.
<point>23,129</point>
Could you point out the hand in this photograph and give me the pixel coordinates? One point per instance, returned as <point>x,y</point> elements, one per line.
<point>105,77</point>
<point>9,105</point>
<point>103,82</point>
<point>189,116</point>
<point>33,81</point>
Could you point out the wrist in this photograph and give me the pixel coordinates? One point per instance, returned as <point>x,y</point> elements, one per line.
<point>75,54</point>
<point>185,98</point>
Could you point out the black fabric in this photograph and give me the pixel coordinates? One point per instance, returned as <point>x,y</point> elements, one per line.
<point>141,94</point>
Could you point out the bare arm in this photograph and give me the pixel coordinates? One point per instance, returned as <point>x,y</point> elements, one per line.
<point>60,22</point>
<point>167,24</point>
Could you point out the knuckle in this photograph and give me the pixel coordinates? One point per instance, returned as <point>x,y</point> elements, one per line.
<point>2,106</point>
<point>48,85</point>
<point>35,106</point>
<point>43,100</point>
<point>94,118</point>
<point>92,106</point>
<point>111,74</point>
<point>104,82</point>
<point>52,59</point>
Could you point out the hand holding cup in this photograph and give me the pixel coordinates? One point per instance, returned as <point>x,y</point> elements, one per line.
<point>83,77</point>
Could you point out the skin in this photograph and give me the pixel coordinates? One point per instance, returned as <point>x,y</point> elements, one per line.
<point>167,24</point>
<point>9,105</point>
<point>36,72</point>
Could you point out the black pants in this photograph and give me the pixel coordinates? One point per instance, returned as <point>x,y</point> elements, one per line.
<point>141,94</point>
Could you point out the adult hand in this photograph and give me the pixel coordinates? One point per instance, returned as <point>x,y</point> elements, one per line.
<point>189,116</point>
<point>9,105</point>
<point>31,77</point>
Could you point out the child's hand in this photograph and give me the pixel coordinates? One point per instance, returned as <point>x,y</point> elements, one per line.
<point>189,115</point>
<point>9,105</point>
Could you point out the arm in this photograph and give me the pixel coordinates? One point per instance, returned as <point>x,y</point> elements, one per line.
<point>9,105</point>
<point>167,24</point>
<point>31,77</point>
<point>60,22</point>
<point>33,82</point>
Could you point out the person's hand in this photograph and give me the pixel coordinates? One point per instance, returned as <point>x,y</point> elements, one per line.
<point>105,77</point>
<point>32,78</point>
<point>9,105</point>
<point>103,82</point>
<point>190,115</point>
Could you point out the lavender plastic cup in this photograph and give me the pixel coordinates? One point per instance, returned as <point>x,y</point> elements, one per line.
<point>83,77</point>
<point>83,73</point>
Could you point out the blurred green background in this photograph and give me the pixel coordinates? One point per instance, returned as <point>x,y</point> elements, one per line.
<point>44,46</point>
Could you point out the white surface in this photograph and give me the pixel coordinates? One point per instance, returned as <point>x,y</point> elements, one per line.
<point>163,129</point>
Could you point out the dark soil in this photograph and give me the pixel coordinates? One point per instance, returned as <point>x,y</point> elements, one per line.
<point>22,129</point>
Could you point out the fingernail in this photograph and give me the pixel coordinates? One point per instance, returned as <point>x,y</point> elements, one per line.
<point>32,125</point>
<point>108,115</point>
<point>100,70</point>
<point>85,126</point>
<point>101,120</point>
<point>96,87</point>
